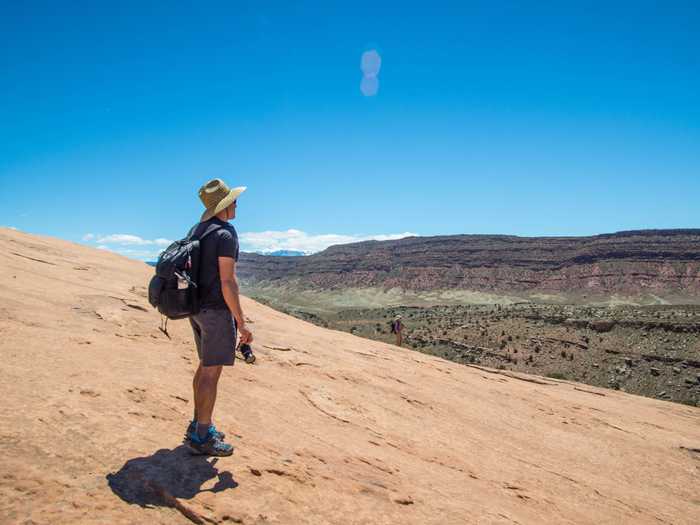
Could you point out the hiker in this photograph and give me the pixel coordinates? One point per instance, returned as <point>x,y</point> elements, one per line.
<point>220,316</point>
<point>396,328</point>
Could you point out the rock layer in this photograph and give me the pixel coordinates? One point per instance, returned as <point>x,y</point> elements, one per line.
<point>660,262</point>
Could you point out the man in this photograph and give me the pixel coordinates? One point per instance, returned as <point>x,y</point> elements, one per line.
<point>220,316</point>
<point>396,328</point>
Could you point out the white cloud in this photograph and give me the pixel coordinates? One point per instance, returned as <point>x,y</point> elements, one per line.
<point>137,247</point>
<point>125,239</point>
<point>121,238</point>
<point>12,228</point>
<point>142,254</point>
<point>129,245</point>
<point>270,241</point>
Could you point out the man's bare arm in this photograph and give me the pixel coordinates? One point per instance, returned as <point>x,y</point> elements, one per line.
<point>231,292</point>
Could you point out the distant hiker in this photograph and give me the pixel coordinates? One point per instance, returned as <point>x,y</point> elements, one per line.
<point>220,315</point>
<point>396,328</point>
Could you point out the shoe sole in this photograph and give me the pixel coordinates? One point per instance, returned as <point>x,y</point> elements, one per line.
<point>195,452</point>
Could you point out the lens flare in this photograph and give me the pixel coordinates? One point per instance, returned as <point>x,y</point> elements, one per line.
<point>370,64</point>
<point>369,86</point>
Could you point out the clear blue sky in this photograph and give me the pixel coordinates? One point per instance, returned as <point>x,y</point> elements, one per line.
<point>528,118</point>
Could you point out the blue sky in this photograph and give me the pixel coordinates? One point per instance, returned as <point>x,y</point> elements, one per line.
<point>539,118</point>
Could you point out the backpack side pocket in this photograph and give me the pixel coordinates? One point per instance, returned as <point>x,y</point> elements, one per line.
<point>155,287</point>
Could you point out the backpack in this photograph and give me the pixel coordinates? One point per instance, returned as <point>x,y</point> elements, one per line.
<point>393,326</point>
<point>173,290</point>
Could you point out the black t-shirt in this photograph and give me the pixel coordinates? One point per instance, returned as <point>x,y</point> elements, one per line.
<point>221,243</point>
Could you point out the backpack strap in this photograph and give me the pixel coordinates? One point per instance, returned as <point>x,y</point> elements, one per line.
<point>164,326</point>
<point>194,233</point>
<point>209,230</point>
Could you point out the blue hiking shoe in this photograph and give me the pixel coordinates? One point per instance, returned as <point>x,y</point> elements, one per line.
<point>209,445</point>
<point>192,429</point>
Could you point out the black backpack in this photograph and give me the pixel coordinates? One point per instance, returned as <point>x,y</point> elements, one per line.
<point>173,290</point>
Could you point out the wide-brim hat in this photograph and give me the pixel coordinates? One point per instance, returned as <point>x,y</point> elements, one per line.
<point>217,196</point>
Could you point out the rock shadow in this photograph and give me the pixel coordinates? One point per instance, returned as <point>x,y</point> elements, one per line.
<point>167,475</point>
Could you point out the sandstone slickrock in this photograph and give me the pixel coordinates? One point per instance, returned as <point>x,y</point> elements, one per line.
<point>95,401</point>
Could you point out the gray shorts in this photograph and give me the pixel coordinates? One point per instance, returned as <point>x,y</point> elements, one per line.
<point>215,336</point>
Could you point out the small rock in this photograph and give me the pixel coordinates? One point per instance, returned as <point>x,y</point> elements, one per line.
<point>676,370</point>
<point>654,371</point>
<point>89,392</point>
<point>601,325</point>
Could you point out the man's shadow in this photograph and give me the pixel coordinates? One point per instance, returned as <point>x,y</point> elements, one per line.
<point>166,475</point>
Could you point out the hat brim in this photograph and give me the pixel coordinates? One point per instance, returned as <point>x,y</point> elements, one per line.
<point>223,203</point>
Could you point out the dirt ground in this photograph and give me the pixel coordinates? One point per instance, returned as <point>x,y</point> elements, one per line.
<point>652,351</point>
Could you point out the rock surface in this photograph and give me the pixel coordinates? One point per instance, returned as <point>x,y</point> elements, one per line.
<point>328,427</point>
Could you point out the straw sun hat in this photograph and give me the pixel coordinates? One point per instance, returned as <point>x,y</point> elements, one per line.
<point>216,197</point>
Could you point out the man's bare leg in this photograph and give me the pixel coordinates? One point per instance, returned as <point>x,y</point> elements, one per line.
<point>207,384</point>
<point>195,382</point>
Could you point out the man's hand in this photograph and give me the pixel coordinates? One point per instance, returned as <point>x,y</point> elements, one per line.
<point>246,335</point>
